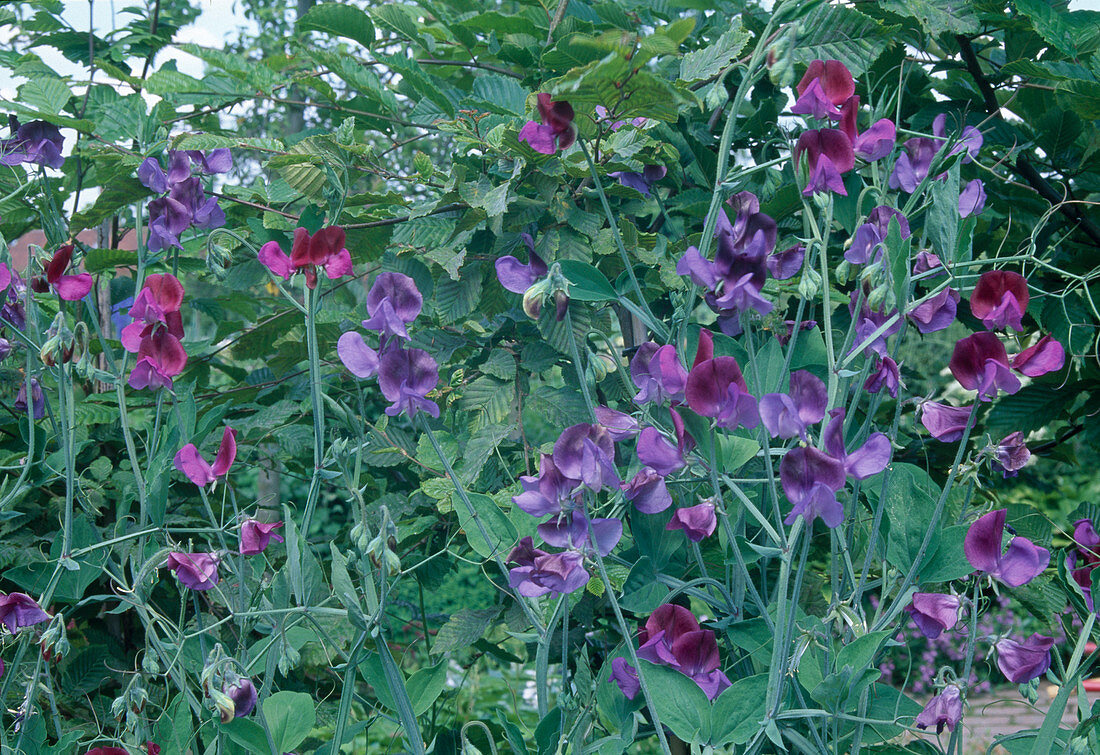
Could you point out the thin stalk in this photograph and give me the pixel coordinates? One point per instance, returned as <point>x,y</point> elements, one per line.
<point>312,298</point>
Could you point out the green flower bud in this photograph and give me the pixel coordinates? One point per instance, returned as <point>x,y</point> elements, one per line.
<point>810,285</point>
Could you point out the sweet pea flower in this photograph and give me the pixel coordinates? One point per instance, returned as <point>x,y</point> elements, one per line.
<point>516,276</point>
<point>538,572</point>
<point>829,154</point>
<point>360,359</point>
<point>912,165</point>
<point>869,459</point>
<point>970,140</point>
<point>647,491</point>
<point>786,264</point>
<point>406,376</point>
<point>392,303</point>
<point>603,115</point>
<point>168,218</point>
<point>936,313</point>
<point>205,212</point>
<point>886,374</point>
<point>1084,558</point>
<point>1021,662</point>
<point>1047,355</point>
<point>1021,563</point>
<point>716,388</point>
<point>1011,454</point>
<point>640,182</point>
<point>197,571</point>
<point>811,479</point>
<point>926,262</point>
<point>867,241</point>
<point>868,322</point>
<point>214,161</point>
<point>873,144</point>
<point>156,305</point>
<point>546,492</point>
<point>586,453</point>
<point>67,287</point>
<point>18,610</point>
<point>698,522</point>
<point>108,751</point>
<point>655,451</point>
<point>972,199</point>
<point>945,709</point>
<point>576,532</point>
<point>36,142</point>
<point>825,85</point>
<point>37,402</point>
<point>946,423</point>
<point>980,363</point>
<point>672,637</point>
<point>256,535</point>
<point>160,357</point>
<point>242,692</point>
<point>324,249</point>
<point>663,627</point>
<point>789,415</point>
<point>1000,299</point>
<point>657,372</point>
<point>620,426</point>
<point>556,131</point>
<point>626,677</point>
<point>189,462</point>
<point>933,612</point>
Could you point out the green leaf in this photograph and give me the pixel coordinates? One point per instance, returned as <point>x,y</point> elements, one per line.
<point>1055,26</point>
<point>948,562</point>
<point>214,141</point>
<point>910,502</point>
<point>455,299</point>
<point>680,704</point>
<point>398,19</point>
<point>943,217</point>
<point>290,717</point>
<point>339,20</point>
<point>98,260</point>
<point>47,95</point>
<point>587,283</point>
<point>426,685</point>
<point>614,79</point>
<point>463,629</point>
<point>938,16</point>
<point>709,62</point>
<point>502,534</point>
<point>842,33</point>
<point>246,733</point>
<point>738,711</point>
<point>1083,97</point>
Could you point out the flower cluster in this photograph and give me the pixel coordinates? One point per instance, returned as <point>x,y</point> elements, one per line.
<point>155,333</point>
<point>183,204</point>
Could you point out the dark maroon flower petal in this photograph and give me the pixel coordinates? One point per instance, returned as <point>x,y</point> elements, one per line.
<point>1000,299</point>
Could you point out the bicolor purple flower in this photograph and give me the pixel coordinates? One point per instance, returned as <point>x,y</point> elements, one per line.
<point>885,374</point>
<point>789,415</point>
<point>620,426</point>
<point>1047,355</point>
<point>1021,662</point>
<point>970,140</point>
<point>1000,299</point>
<point>926,262</point>
<point>869,321</point>
<point>873,144</point>
<point>657,452</point>
<point>324,249</point>
<point>548,491</point>
<point>647,491</point>
<point>945,709</point>
<point>980,363</point>
<point>36,142</point>
<point>1021,563</point>
<point>716,388</point>
<point>869,459</point>
<point>392,303</point>
<point>516,276</point>
<point>912,165</point>
<point>811,479</point>
<point>37,401</point>
<point>256,535</point>
<point>586,453</point>
<point>933,613</point>
<point>67,287</point>
<point>197,571</point>
<point>946,423</point>
<point>786,264</point>
<point>214,161</point>
<point>538,572</point>
<point>972,199</point>
<point>242,692</point>
<point>189,462</point>
<point>823,88</point>
<point>1011,454</point>
<point>698,522</point>
<point>640,182</point>
<point>556,130</point>
<point>406,376</point>
<point>936,313</point>
<point>829,154</point>
<point>18,610</point>
<point>160,357</point>
<point>867,241</point>
<point>657,372</point>
<point>672,637</point>
<point>576,532</point>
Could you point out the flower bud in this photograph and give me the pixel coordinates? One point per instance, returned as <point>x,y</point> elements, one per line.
<point>532,300</point>
<point>224,705</point>
<point>561,305</point>
<point>810,285</point>
<point>843,272</point>
<point>242,692</point>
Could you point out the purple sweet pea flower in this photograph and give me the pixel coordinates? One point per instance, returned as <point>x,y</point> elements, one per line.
<point>517,277</point>
<point>1021,662</point>
<point>826,85</point>
<point>936,313</point>
<point>873,144</point>
<point>256,535</point>
<point>587,453</point>
<point>980,363</point>
<point>1021,563</point>
<point>37,402</point>
<point>556,131</point>
<point>1047,355</point>
<point>647,491</point>
<point>663,627</point>
<point>868,322</point>
<point>867,241</point>
<point>1011,454</point>
<point>656,451</point>
<point>970,140</point>
<point>657,372</point>
<point>360,359</point>
<point>67,287</point>
<point>811,479</point>
<point>698,522</point>
<point>574,531</point>
<point>814,102</point>
<point>945,709</point>
<point>205,212</point>
<point>546,492</point>
<point>946,423</point>
<point>626,676</point>
<point>242,692</point>
<point>198,571</point>
<point>972,199</point>
<point>933,613</point>
<point>392,303</point>
<point>168,218</point>
<point>885,375</point>
<point>1084,558</point>
<point>152,176</point>
<point>828,154</point>
<point>603,115</point>
<point>716,388</point>
<point>36,142</point>
<point>619,426</point>
<point>672,637</point>
<point>1000,299</point>
<point>406,376</point>
<point>869,459</point>
<point>18,610</point>
<point>927,261</point>
<point>788,415</point>
<point>640,182</point>
<point>786,264</point>
<point>214,161</point>
<point>190,462</point>
<point>179,167</point>
<point>538,572</point>
<point>913,164</point>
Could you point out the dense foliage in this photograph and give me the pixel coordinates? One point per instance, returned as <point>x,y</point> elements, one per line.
<point>581,376</point>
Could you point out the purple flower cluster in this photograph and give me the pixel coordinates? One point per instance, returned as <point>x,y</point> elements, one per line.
<point>183,204</point>
<point>155,333</point>
<point>914,163</point>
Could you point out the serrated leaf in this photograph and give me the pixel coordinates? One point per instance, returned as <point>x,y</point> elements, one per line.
<point>457,298</point>
<point>709,62</point>
<point>340,20</point>
<point>938,16</point>
<point>98,260</point>
<point>488,395</point>
<point>1083,97</point>
<point>215,141</point>
<point>463,629</point>
<point>842,33</point>
<point>47,95</point>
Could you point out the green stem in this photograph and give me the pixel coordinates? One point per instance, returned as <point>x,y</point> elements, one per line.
<point>312,298</point>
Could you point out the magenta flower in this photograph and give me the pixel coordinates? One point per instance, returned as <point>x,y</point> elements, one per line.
<point>538,572</point>
<point>626,676</point>
<point>324,249</point>
<point>620,426</point>
<point>972,199</point>
<point>198,571</point>
<point>256,535</point>
<point>546,492</point>
<point>811,479</point>
<point>1021,662</point>
<point>18,610</point>
<point>825,86</point>
<point>587,453</point>
<point>946,423</point>
<point>640,182</point>
<point>933,613</point>
<point>67,287</point>
<point>663,627</point>
<point>190,462</point>
<point>556,131</point>
<point>698,522</point>
<point>869,459</point>
<point>936,313</point>
<point>1011,454</point>
<point>156,305</point>
<point>160,357</point>
<point>1047,355</point>
<point>716,388</point>
<point>1000,299</point>
<point>945,709</point>
<point>788,415</point>
<point>886,374</point>
<point>36,142</point>
<point>657,372</point>
<point>1021,563</point>
<point>828,154</point>
<point>517,277</point>
<point>672,637</point>
<point>242,692</point>
<point>980,363</point>
<point>406,376</point>
<point>867,241</point>
<point>873,144</point>
<point>647,491</point>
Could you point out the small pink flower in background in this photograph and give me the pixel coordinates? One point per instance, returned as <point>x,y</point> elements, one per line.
<point>256,535</point>
<point>198,571</point>
<point>1021,563</point>
<point>1000,299</point>
<point>18,610</point>
<point>190,462</point>
<point>556,131</point>
<point>1021,662</point>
